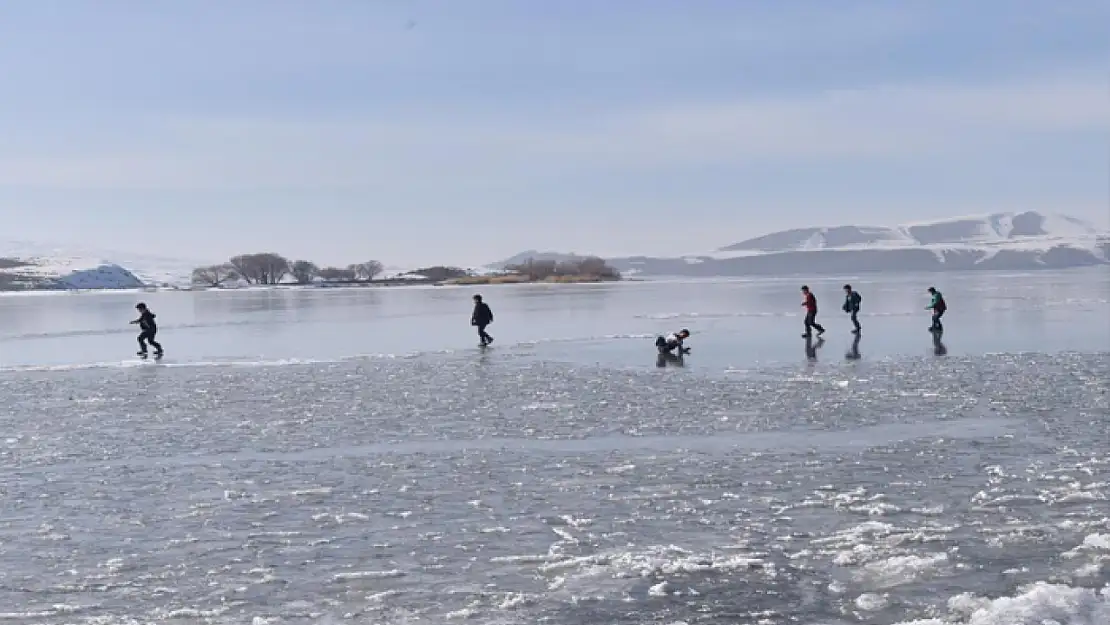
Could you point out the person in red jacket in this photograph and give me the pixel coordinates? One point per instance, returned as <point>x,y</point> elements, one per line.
<point>810,303</point>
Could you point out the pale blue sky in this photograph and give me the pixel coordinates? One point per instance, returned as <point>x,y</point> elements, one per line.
<point>464,131</point>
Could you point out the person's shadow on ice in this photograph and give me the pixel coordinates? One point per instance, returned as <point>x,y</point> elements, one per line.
<point>853,351</point>
<point>674,360</point>
<point>939,348</point>
<point>812,347</point>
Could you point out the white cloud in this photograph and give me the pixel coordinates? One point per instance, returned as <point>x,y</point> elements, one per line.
<point>898,121</point>
<point>915,121</point>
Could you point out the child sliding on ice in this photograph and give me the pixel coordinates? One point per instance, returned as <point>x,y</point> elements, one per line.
<point>148,328</point>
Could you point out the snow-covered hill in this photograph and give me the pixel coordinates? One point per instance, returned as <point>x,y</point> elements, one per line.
<point>1004,241</point>
<point>1027,230</point>
<point>25,264</point>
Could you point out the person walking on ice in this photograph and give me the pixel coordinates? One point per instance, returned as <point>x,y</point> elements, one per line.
<point>810,304</point>
<point>938,306</point>
<point>852,300</point>
<point>480,318</point>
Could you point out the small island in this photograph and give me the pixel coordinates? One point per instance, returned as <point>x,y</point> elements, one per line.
<point>585,270</point>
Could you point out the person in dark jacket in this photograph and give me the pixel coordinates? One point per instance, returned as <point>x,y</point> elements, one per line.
<point>938,306</point>
<point>810,303</point>
<point>852,300</point>
<point>672,342</point>
<point>147,330</point>
<point>482,317</point>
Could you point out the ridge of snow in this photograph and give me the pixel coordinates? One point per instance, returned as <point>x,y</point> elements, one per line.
<point>990,234</point>
<point>102,277</point>
<point>1030,244</point>
<point>1061,225</point>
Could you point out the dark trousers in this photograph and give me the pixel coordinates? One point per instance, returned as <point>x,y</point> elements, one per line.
<point>811,323</point>
<point>855,319</point>
<point>485,338</point>
<point>147,336</point>
<point>936,321</point>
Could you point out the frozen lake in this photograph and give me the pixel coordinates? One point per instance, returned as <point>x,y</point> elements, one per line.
<point>351,456</point>
<point>735,324</point>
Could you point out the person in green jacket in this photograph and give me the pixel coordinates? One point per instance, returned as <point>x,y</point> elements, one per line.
<point>938,306</point>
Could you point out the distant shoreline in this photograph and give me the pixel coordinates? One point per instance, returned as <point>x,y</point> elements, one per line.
<point>374,284</point>
<point>928,276</point>
<point>519,279</point>
<point>391,283</point>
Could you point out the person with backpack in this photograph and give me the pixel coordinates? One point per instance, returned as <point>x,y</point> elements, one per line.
<point>938,306</point>
<point>480,318</point>
<point>852,300</point>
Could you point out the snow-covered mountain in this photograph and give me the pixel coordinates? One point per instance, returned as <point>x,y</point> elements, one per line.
<point>25,264</point>
<point>990,230</point>
<point>1006,241</point>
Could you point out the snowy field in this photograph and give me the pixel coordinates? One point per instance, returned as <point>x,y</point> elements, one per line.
<point>353,457</point>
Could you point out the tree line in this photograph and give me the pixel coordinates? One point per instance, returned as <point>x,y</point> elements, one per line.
<point>591,266</point>
<point>270,268</point>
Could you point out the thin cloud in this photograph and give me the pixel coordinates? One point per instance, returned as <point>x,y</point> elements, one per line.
<point>900,121</point>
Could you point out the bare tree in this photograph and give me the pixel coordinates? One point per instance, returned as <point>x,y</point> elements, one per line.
<point>336,274</point>
<point>274,267</point>
<point>244,265</point>
<point>270,268</point>
<point>372,269</point>
<point>214,275</point>
<point>595,266</point>
<point>367,270</point>
<point>535,269</point>
<point>589,266</point>
<point>566,268</point>
<point>439,273</point>
<point>304,271</point>
<point>261,268</point>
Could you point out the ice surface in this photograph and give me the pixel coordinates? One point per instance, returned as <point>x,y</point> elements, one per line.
<point>737,324</point>
<point>352,457</point>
